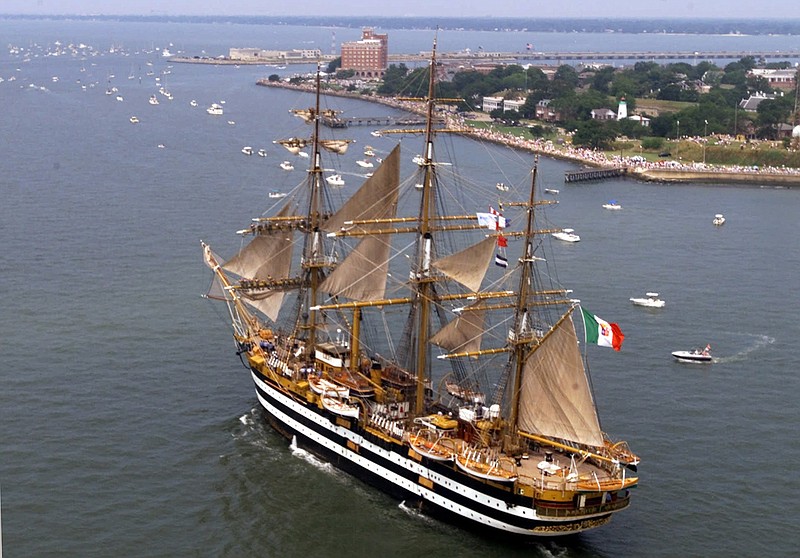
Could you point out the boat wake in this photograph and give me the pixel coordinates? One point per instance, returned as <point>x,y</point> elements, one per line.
<point>310,458</point>
<point>758,342</point>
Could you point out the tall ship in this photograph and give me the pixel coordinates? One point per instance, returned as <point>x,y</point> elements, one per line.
<point>377,339</point>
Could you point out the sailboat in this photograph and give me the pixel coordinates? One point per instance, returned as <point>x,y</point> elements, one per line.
<point>527,457</point>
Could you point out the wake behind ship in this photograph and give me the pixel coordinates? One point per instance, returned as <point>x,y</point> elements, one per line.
<point>411,410</point>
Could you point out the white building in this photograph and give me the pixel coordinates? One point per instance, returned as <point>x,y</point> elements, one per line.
<point>492,103</point>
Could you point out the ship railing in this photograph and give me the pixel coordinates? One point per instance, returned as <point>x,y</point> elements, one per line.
<point>561,512</point>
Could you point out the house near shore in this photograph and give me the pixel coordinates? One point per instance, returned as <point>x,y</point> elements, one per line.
<point>751,103</point>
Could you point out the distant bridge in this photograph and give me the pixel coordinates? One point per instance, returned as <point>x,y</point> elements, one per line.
<point>483,56</point>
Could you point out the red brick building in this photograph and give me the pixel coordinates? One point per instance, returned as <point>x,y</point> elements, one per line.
<point>368,57</point>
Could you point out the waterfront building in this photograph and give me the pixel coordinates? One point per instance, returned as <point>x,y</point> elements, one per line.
<point>367,57</point>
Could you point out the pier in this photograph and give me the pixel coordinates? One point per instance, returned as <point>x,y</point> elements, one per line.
<point>560,56</point>
<point>594,174</point>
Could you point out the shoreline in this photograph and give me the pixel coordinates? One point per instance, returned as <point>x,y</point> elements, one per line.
<point>670,172</point>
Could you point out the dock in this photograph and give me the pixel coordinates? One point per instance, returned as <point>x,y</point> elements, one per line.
<point>594,174</point>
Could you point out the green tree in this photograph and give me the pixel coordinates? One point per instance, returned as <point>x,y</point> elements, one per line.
<point>593,134</point>
<point>334,65</point>
<point>771,113</point>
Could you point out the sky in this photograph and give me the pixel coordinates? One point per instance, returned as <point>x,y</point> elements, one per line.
<point>717,9</point>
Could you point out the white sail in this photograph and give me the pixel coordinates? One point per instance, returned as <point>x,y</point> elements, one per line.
<point>469,266</point>
<point>464,333</point>
<point>555,397</point>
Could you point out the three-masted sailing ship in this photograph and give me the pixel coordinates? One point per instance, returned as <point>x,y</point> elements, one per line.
<point>526,457</point>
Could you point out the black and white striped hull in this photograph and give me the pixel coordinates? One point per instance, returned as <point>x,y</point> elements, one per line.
<point>436,488</point>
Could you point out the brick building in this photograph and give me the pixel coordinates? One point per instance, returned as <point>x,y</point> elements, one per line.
<point>367,57</point>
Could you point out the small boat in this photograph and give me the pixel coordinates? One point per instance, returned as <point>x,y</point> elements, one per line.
<point>193,103</point>
<point>335,180</point>
<point>719,219</point>
<point>419,159</point>
<point>364,163</point>
<point>369,152</point>
<point>120,98</point>
<point>287,166</point>
<point>134,120</point>
<point>650,300</point>
<point>480,465</point>
<point>276,195</point>
<point>338,406</point>
<point>247,150</point>
<point>215,109</point>
<point>302,154</point>
<point>550,191</point>
<point>567,235</point>
<point>375,134</point>
<point>153,100</point>
<point>502,187</point>
<point>322,386</point>
<point>262,152</point>
<point>700,356</point>
<point>612,204</point>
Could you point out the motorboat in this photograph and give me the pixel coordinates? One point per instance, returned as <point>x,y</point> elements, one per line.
<point>192,103</point>
<point>287,166</point>
<point>567,235</point>
<point>418,159</point>
<point>612,204</point>
<point>276,195</point>
<point>335,180</point>
<point>262,152</point>
<point>134,120</point>
<point>699,356</point>
<point>502,187</point>
<point>650,300</point>
<point>365,164</point>
<point>247,150</point>
<point>215,109</point>
<point>719,219</point>
<point>153,100</point>
<point>550,191</point>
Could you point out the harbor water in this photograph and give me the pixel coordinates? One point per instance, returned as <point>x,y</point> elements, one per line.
<point>129,426</point>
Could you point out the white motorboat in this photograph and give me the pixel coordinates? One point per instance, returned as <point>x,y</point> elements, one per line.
<point>550,191</point>
<point>567,235</point>
<point>276,195</point>
<point>502,187</point>
<point>335,180</point>
<point>287,166</point>
<point>262,152</point>
<point>247,150</point>
<point>192,103</point>
<point>719,219</point>
<point>650,300</point>
<point>419,159</point>
<point>364,163</point>
<point>698,356</point>
<point>612,204</point>
<point>215,109</point>
<point>134,120</point>
<point>153,100</point>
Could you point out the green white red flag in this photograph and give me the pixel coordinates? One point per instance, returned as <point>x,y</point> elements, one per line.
<point>601,332</point>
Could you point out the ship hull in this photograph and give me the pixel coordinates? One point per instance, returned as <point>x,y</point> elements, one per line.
<point>435,488</point>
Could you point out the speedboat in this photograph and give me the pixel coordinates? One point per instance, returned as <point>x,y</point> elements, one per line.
<point>612,204</point>
<point>364,163</point>
<point>276,195</point>
<point>215,109</point>
<point>153,100</point>
<point>700,356</point>
<point>419,159</point>
<point>567,235</point>
<point>335,180</point>
<point>134,120</point>
<point>502,187</point>
<point>651,300</point>
<point>262,152</point>
<point>550,191</point>
<point>287,166</point>
<point>719,219</point>
<point>247,150</point>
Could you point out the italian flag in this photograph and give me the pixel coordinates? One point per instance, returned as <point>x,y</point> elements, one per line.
<point>601,332</point>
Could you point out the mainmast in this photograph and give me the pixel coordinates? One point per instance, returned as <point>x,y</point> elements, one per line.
<point>313,250</point>
<point>423,283</point>
<point>522,326</point>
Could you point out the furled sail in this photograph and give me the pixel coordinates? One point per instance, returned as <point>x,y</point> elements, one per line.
<point>469,266</point>
<point>555,398</point>
<point>376,199</point>
<point>463,333</point>
<point>362,274</point>
<point>293,145</point>
<point>308,114</point>
<point>338,146</point>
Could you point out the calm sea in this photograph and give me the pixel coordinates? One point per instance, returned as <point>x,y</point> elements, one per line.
<point>129,428</point>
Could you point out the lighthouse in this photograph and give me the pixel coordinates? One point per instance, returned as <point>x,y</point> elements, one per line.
<point>622,112</point>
